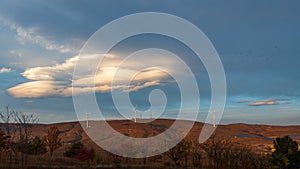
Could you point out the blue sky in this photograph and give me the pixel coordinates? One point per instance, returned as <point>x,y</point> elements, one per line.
<point>257,41</point>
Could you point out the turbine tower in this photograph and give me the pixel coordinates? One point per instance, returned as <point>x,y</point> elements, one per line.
<point>134,111</point>
<point>214,118</point>
<point>87,119</point>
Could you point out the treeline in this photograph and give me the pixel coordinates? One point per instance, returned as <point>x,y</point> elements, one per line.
<point>15,139</point>
<point>19,146</point>
<point>217,154</point>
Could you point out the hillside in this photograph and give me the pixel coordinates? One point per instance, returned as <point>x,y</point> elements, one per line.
<point>258,137</point>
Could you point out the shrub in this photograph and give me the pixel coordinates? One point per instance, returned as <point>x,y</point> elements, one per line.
<point>286,154</point>
<point>79,152</point>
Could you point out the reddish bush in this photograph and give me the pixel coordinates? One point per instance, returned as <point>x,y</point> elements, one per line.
<point>84,154</point>
<point>79,152</point>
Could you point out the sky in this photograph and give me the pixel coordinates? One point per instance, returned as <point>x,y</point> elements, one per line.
<point>257,42</point>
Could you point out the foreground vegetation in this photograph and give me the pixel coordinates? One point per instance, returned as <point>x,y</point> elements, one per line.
<point>19,149</point>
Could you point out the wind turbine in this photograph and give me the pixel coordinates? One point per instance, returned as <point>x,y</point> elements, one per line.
<point>214,117</point>
<point>134,111</point>
<point>87,120</point>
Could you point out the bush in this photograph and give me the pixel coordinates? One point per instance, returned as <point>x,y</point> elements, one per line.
<point>286,154</point>
<point>79,152</point>
<point>3,140</point>
<point>36,146</point>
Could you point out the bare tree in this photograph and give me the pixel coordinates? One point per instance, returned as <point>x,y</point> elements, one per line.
<point>211,148</point>
<point>3,141</point>
<point>24,123</point>
<point>37,146</point>
<point>226,154</point>
<point>10,129</point>
<point>52,140</point>
<point>197,154</point>
<point>187,149</point>
<point>177,153</point>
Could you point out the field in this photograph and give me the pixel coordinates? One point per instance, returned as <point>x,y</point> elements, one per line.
<point>257,138</point>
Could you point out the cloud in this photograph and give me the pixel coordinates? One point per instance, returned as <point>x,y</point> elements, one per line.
<point>31,35</point>
<point>245,101</point>
<point>271,101</point>
<point>29,101</point>
<point>57,72</point>
<point>19,54</point>
<point>37,89</point>
<point>112,73</point>
<point>262,103</point>
<point>5,70</point>
<point>144,85</point>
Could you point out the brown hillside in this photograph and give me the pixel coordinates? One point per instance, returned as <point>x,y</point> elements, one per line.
<point>258,137</point>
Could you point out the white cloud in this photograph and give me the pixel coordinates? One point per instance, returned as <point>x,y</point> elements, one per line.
<point>29,101</point>
<point>31,35</point>
<point>144,85</point>
<point>56,72</point>
<point>16,53</point>
<point>37,89</point>
<point>113,73</point>
<point>271,101</point>
<point>263,103</point>
<point>5,70</point>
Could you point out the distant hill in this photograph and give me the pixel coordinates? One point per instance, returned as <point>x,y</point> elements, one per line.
<point>258,137</point>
